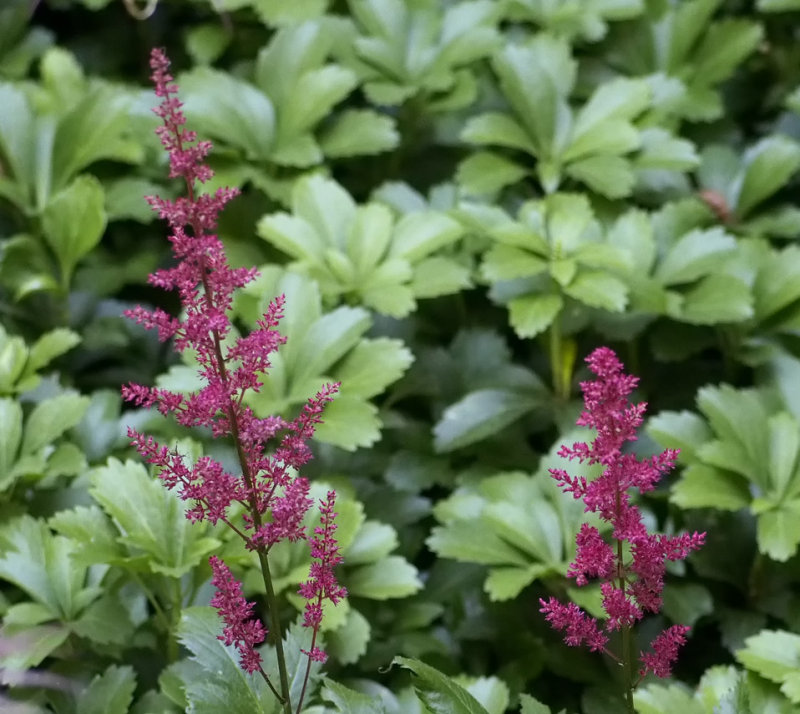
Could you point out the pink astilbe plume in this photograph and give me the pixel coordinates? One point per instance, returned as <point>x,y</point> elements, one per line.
<point>631,585</point>
<point>272,450</point>
<point>237,614</point>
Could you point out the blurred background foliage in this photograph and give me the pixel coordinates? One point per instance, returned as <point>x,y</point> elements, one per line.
<point>460,200</point>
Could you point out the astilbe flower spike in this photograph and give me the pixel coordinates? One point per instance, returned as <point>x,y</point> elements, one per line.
<point>631,586</point>
<point>274,496</point>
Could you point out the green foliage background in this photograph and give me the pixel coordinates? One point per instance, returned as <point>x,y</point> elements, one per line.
<point>460,200</point>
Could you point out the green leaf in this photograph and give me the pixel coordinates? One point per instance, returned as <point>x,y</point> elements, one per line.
<point>11,429</point>
<point>223,107</point>
<point>478,415</point>
<point>105,621</point>
<point>490,692</point>
<point>706,487</point>
<point>391,577</point>
<point>439,276</point>
<point>610,176</point>
<point>536,79</point>
<point>473,543</point>
<point>41,564</point>
<point>92,130</point>
<point>768,166</point>
<point>778,530</point>
<point>349,423</point>
<point>693,255</point>
<point>348,643</point>
<point>507,583</point>
<point>74,221</point>
<point>717,298</point>
<point>774,655</point>
<point>778,5</point>
<point>150,518</point>
<point>598,289</point>
<point>532,314</point>
<point>532,706</point>
<point>687,602</point>
<point>486,172</point>
<point>92,529</point>
<point>51,418</point>
<point>359,132</point>
<point>440,693</point>
<point>373,541</point>
<point>50,345</point>
<point>349,701</point>
<point>666,699</point>
<point>109,693</point>
<point>372,365</point>
<point>221,685</point>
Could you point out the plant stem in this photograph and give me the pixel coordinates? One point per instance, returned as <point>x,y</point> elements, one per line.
<point>627,632</point>
<point>275,628</point>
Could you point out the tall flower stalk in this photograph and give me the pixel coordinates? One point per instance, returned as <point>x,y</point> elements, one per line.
<point>273,496</point>
<point>631,567</point>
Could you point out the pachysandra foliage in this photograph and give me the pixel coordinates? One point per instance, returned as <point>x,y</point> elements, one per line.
<point>458,201</point>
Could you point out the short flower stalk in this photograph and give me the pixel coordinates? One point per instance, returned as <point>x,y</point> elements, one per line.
<point>273,496</point>
<point>631,568</point>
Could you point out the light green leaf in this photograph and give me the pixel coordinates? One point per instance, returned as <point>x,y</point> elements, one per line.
<point>417,235</point>
<point>478,415</point>
<point>536,78</point>
<point>706,487</point>
<point>768,166</point>
<point>610,176</point>
<point>717,298</point>
<point>90,131</point>
<point>49,346</point>
<point>683,430</point>
<point>109,693</point>
<point>11,430</point>
<point>486,172</point>
<point>496,129</point>
<point>150,518</point>
<point>441,694</point>
<point>358,132</point>
<point>439,276</point>
<point>349,422</point>
<point>373,541</point>
<point>41,564</point>
<point>693,255</point>
<point>687,602</point>
<point>778,530</point>
<point>598,289</point>
<point>74,221</point>
<point>506,583</point>
<point>391,577</point>
<point>474,542</point>
<point>221,684</point>
<point>51,418</point>
<point>532,706</point>
<point>223,107</point>
<point>666,699</point>
<point>348,643</point>
<point>325,341</point>
<point>92,529</point>
<point>349,701</point>
<point>105,621</point>
<point>490,692</point>
<point>773,654</point>
<point>372,365</point>
<point>778,5</point>
<point>532,314</point>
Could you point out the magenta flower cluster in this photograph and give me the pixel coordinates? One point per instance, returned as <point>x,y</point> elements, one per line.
<point>631,570</point>
<point>275,498</point>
